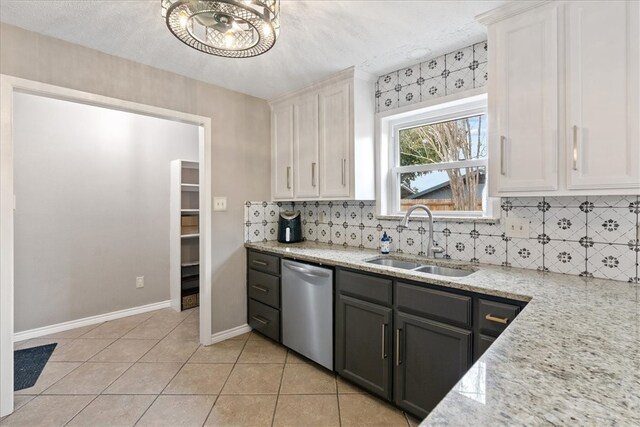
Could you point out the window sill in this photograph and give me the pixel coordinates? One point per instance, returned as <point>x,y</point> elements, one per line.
<point>474,219</point>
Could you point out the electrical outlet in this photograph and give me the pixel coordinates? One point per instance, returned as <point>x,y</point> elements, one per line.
<point>140,282</point>
<point>219,203</point>
<point>321,216</point>
<point>516,227</point>
<point>638,232</point>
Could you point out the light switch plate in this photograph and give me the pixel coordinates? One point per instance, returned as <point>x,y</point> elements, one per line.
<point>516,227</point>
<point>219,203</point>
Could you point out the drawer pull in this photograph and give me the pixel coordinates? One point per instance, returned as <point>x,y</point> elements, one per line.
<point>384,335</point>
<point>261,320</point>
<point>492,318</point>
<point>262,263</point>
<point>260,288</point>
<point>398,361</point>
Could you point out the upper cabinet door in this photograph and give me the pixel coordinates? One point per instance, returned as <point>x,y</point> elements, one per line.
<point>335,140</point>
<point>282,177</point>
<point>524,101</point>
<point>306,147</point>
<point>603,93</point>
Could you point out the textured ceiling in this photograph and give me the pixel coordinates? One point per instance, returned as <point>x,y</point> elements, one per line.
<point>318,38</point>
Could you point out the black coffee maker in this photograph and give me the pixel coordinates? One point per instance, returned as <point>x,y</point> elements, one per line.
<point>290,227</point>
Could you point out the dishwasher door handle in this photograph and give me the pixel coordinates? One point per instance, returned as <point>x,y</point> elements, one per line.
<point>308,271</point>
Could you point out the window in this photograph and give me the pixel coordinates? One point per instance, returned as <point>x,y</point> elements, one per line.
<point>438,157</point>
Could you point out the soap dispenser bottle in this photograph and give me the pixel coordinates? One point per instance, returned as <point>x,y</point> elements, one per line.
<point>385,243</point>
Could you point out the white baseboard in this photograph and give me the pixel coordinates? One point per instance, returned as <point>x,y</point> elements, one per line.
<point>65,326</point>
<point>230,333</point>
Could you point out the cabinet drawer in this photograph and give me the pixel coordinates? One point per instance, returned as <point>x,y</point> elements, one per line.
<point>494,317</point>
<point>264,288</point>
<point>484,342</point>
<point>370,288</point>
<point>445,306</point>
<point>264,319</point>
<point>264,262</point>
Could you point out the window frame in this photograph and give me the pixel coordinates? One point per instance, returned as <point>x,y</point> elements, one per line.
<point>391,170</point>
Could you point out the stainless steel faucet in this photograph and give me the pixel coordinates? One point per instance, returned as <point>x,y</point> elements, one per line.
<point>405,221</point>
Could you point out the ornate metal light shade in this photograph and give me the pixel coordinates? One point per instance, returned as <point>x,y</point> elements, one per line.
<point>229,28</point>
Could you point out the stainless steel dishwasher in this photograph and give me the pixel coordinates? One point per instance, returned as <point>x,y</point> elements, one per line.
<point>307,311</point>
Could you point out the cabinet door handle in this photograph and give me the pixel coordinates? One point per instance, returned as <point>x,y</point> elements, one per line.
<point>384,336</point>
<point>398,360</point>
<point>260,288</point>
<point>262,263</point>
<point>492,318</point>
<point>344,170</point>
<point>288,177</point>
<point>261,320</point>
<point>575,148</point>
<point>313,174</point>
<point>503,151</point>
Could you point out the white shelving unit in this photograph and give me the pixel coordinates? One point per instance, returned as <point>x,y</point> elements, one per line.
<point>185,235</point>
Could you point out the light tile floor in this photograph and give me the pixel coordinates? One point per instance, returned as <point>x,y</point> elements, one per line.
<point>149,370</point>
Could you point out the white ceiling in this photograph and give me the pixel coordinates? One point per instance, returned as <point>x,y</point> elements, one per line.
<point>318,37</point>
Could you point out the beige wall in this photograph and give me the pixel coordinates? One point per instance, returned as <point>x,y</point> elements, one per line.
<point>240,136</point>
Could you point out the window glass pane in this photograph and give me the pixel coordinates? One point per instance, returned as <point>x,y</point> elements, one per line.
<point>444,190</point>
<point>461,139</point>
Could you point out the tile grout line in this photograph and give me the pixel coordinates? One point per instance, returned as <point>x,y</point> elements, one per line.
<point>275,409</point>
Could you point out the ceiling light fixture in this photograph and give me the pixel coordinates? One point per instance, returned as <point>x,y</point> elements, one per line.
<point>229,28</point>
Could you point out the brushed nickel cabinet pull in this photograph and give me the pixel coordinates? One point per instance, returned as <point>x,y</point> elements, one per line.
<point>384,347</point>
<point>503,150</point>
<point>398,361</point>
<point>313,174</point>
<point>575,148</point>
<point>261,320</point>
<point>260,288</point>
<point>262,263</point>
<point>492,318</point>
<point>289,177</point>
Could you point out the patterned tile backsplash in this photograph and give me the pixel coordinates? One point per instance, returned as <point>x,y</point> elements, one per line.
<point>458,71</point>
<point>588,236</point>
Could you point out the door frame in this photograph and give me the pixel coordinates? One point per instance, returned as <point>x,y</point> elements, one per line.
<point>8,86</point>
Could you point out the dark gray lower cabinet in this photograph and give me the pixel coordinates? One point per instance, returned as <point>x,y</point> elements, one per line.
<point>430,358</point>
<point>363,344</point>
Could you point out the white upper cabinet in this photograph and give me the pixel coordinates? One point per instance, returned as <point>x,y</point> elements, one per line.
<point>564,93</point>
<point>282,179</point>
<point>329,141</point>
<point>602,95</point>
<point>305,146</point>
<point>335,140</point>
<point>524,102</point>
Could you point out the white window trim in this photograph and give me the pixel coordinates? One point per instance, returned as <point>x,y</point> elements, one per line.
<point>388,125</point>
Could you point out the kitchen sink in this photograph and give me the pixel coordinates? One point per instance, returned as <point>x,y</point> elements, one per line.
<point>391,262</point>
<point>443,271</point>
<point>423,268</point>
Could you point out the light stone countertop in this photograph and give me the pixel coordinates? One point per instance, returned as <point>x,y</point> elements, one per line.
<point>572,356</point>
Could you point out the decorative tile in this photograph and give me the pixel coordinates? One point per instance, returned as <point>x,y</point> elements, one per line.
<point>353,214</point>
<point>460,59</point>
<point>388,100</point>
<point>460,247</point>
<point>480,52</point>
<point>624,202</point>
<point>489,229</point>
<point>433,88</point>
<point>481,75</point>
<point>459,81</point>
<point>612,225</point>
<point>565,202</point>
<point>353,236</point>
<point>388,82</point>
<point>615,262</point>
<point>565,257</point>
<point>370,239</point>
<point>491,250</point>
<point>565,224</point>
<point>409,94</point>
<point>432,68</point>
<point>525,253</point>
<point>409,75</point>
